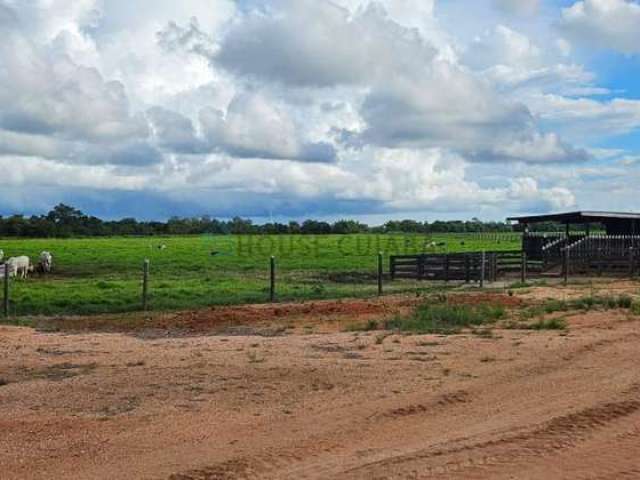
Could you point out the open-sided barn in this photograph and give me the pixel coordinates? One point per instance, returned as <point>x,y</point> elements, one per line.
<point>576,247</point>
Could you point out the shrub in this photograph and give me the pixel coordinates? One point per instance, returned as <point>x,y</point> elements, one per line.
<point>445,319</point>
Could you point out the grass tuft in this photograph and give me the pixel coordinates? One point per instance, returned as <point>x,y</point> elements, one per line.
<point>549,324</point>
<point>445,319</point>
<point>370,326</point>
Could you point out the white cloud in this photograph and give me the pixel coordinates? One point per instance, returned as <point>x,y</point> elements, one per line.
<point>255,127</point>
<point>55,108</point>
<point>530,197</point>
<point>503,46</point>
<point>605,24</point>
<point>42,92</point>
<point>373,104</point>
<point>319,44</point>
<point>586,116</point>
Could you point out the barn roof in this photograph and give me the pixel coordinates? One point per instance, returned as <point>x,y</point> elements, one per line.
<point>578,217</point>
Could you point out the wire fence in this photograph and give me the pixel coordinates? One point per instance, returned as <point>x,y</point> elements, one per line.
<point>95,276</point>
<point>148,287</point>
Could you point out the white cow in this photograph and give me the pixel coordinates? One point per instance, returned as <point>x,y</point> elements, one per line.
<point>1,255</point>
<point>19,266</point>
<point>46,262</point>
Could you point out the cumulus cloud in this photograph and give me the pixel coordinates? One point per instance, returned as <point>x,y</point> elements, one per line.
<point>52,106</point>
<point>320,44</point>
<point>45,93</point>
<point>374,105</point>
<point>174,132</point>
<point>607,24</point>
<point>190,38</point>
<point>527,196</point>
<point>255,127</point>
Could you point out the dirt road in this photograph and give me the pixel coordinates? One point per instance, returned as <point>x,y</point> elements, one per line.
<point>330,405</point>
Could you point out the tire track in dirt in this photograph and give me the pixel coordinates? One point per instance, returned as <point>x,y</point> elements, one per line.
<point>270,462</point>
<point>556,435</point>
<point>552,438</point>
<point>512,446</point>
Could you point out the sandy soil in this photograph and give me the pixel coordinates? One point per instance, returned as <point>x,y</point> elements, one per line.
<point>295,397</point>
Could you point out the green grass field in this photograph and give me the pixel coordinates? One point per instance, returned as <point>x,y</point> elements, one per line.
<point>101,275</point>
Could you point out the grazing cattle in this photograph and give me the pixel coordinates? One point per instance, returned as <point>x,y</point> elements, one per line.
<point>46,262</point>
<point>162,247</point>
<point>19,266</point>
<point>1,255</point>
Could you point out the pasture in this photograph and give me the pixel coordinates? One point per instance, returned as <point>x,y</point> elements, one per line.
<point>103,275</point>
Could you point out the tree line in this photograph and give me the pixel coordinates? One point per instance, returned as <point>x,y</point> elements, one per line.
<point>67,221</point>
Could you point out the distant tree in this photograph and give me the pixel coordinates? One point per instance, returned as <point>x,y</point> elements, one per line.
<point>241,226</point>
<point>65,221</point>
<point>348,226</point>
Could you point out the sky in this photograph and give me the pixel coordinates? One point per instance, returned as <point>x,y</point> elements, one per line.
<point>292,109</point>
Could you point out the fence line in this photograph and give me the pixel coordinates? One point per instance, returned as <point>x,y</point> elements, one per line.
<point>594,255</point>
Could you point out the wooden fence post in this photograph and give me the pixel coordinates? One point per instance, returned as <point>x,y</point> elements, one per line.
<point>523,273</point>
<point>380,272</point>
<point>421,262</point>
<point>467,268</point>
<point>6,290</point>
<point>566,266</point>
<point>145,285</point>
<point>392,267</point>
<point>483,263</point>
<point>631,262</point>
<point>272,280</point>
<point>446,267</point>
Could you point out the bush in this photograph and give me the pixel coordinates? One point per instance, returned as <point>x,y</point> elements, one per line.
<point>445,319</point>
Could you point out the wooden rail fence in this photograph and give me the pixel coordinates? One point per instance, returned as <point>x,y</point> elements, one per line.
<point>466,267</point>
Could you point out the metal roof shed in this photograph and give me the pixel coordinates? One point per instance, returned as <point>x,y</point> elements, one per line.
<point>616,223</point>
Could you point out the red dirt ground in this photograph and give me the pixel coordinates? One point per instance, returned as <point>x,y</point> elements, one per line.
<point>316,402</point>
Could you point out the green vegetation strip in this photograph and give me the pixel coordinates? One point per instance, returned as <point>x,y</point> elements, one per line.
<point>436,316</point>
<point>446,319</point>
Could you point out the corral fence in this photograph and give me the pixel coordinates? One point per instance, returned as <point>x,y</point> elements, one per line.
<point>467,267</point>
<point>603,254</point>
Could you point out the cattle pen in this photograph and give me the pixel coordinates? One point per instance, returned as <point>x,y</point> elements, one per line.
<point>574,250</point>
